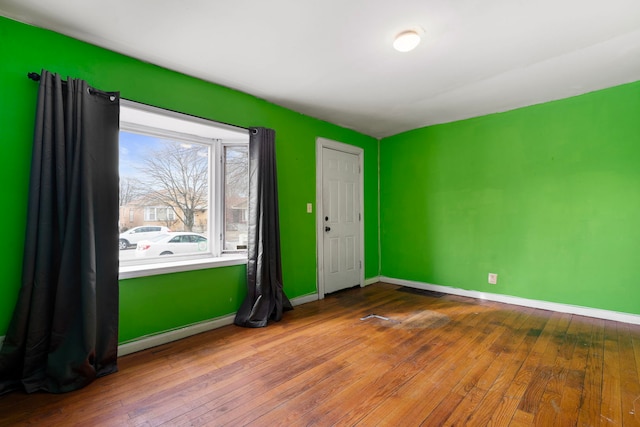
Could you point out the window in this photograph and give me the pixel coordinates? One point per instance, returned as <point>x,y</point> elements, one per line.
<point>184,185</point>
<point>164,214</point>
<point>235,197</point>
<point>149,214</point>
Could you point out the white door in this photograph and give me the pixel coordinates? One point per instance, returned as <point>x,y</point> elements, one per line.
<point>340,220</point>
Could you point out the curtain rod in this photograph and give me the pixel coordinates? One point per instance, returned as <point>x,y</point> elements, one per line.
<point>93,91</point>
<point>36,78</point>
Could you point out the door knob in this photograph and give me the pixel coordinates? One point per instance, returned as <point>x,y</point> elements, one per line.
<point>327,229</point>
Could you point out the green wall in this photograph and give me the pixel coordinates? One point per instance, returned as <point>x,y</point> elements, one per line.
<point>159,303</point>
<point>546,196</point>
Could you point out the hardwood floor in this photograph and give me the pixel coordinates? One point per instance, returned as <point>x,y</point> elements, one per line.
<point>437,360</point>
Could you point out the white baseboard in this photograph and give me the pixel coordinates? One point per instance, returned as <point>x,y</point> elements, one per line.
<point>544,305</point>
<point>371,280</point>
<point>144,343</point>
<point>304,299</point>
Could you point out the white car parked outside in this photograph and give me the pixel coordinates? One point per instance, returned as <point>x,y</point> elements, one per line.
<point>136,234</point>
<point>172,244</point>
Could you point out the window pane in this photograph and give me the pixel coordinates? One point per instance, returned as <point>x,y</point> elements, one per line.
<point>167,181</point>
<point>149,214</point>
<point>161,213</point>
<point>236,181</point>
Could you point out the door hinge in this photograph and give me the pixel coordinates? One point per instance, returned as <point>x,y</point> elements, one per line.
<point>360,264</point>
<point>359,216</point>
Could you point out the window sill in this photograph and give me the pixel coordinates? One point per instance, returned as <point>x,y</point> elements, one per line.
<point>130,272</point>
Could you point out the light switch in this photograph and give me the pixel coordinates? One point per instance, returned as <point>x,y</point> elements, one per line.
<point>309,207</point>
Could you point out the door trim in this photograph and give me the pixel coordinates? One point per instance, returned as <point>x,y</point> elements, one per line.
<point>322,143</point>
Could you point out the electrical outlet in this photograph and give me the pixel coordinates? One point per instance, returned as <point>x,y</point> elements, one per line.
<point>493,279</point>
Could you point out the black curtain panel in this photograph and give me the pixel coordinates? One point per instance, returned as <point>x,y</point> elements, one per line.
<point>64,330</point>
<point>265,297</point>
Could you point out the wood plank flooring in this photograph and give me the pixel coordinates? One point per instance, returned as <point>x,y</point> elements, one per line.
<point>437,361</point>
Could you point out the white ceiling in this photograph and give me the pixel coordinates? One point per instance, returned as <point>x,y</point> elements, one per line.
<point>333,59</point>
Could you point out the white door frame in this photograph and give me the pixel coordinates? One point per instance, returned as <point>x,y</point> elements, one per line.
<point>322,143</point>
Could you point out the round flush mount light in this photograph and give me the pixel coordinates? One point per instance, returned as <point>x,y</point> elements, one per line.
<point>406,41</point>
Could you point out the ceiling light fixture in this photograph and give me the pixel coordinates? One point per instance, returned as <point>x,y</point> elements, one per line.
<point>406,41</point>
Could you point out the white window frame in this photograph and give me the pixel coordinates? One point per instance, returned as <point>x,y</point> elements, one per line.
<point>153,121</point>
